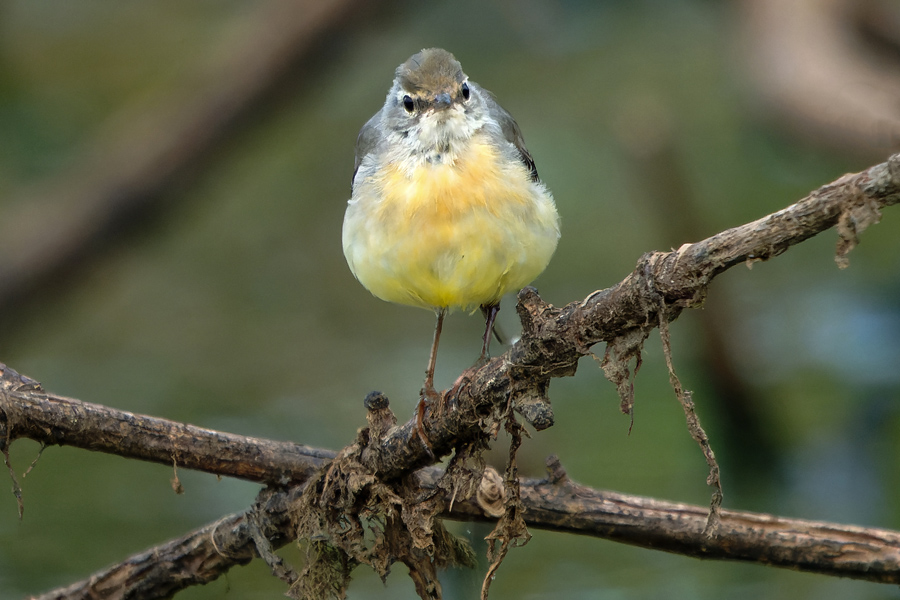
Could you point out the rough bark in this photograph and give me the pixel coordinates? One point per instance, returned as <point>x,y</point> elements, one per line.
<point>26,410</point>
<point>555,503</point>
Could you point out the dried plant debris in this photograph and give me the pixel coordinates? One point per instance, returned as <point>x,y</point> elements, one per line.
<point>264,548</point>
<point>348,517</point>
<point>510,530</point>
<point>12,381</point>
<point>492,495</point>
<point>464,473</point>
<point>616,365</point>
<point>856,217</point>
<point>693,422</point>
<point>326,575</point>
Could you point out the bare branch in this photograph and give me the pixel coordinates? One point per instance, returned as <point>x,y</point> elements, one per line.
<point>553,340</point>
<point>555,504</point>
<point>27,411</point>
<point>813,546</point>
<point>195,559</point>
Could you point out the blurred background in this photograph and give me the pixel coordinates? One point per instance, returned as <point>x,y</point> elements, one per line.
<point>173,178</point>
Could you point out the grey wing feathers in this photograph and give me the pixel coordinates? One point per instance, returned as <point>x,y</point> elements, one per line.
<point>510,130</point>
<point>366,141</point>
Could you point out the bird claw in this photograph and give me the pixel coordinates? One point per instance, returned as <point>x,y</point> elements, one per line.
<point>481,360</point>
<point>429,395</point>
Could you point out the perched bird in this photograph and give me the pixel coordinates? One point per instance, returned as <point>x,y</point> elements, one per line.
<point>447,209</point>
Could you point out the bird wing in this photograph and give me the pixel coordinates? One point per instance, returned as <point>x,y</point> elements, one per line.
<point>510,129</point>
<point>366,141</point>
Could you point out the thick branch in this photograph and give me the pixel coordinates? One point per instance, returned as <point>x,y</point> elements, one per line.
<point>553,341</point>
<point>818,547</point>
<point>198,558</point>
<point>556,504</point>
<point>555,338</point>
<point>27,411</point>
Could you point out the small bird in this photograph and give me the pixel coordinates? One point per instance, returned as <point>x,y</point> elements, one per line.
<point>447,210</point>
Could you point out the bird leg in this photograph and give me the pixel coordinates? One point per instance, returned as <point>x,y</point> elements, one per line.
<point>490,315</point>
<point>428,391</point>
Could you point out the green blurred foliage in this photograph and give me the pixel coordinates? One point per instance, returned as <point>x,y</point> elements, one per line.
<point>236,310</point>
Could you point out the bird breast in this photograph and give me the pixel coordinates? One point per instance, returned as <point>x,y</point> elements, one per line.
<point>461,232</point>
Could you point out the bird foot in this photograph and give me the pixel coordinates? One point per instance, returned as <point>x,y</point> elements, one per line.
<point>429,398</point>
<point>481,360</point>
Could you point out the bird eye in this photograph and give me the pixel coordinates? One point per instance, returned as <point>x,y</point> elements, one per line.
<point>408,104</point>
<point>465,91</point>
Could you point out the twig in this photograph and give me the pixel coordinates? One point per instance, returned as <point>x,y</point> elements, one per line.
<point>686,399</point>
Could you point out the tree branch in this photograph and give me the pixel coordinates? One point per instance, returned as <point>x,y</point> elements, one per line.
<point>818,547</point>
<point>553,340</point>
<point>555,504</point>
<point>197,558</point>
<point>26,410</point>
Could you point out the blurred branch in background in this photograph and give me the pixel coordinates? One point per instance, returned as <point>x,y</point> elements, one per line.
<point>553,340</point>
<point>829,70</point>
<point>143,152</point>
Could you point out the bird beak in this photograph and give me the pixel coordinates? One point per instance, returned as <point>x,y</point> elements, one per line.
<point>442,101</point>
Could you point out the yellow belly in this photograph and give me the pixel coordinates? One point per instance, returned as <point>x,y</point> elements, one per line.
<point>446,235</point>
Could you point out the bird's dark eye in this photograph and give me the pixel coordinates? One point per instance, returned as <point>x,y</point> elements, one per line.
<point>465,91</point>
<point>408,104</point>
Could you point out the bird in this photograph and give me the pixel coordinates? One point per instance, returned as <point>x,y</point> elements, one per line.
<point>447,210</point>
